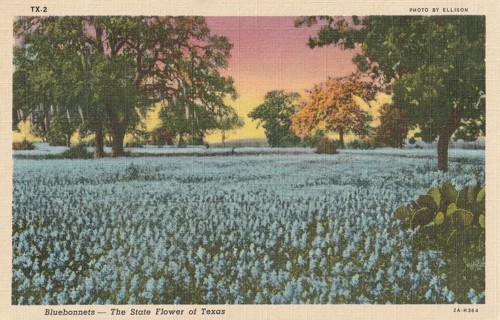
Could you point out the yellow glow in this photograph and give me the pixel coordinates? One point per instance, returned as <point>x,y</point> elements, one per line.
<point>24,133</point>
<point>243,106</point>
<point>152,119</point>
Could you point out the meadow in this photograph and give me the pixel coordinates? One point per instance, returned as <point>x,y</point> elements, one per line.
<point>253,229</point>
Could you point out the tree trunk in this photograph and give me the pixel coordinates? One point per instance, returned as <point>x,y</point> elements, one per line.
<point>68,140</point>
<point>118,130</point>
<point>223,138</point>
<point>341,138</point>
<point>99,140</point>
<point>118,136</point>
<point>443,142</point>
<point>445,136</point>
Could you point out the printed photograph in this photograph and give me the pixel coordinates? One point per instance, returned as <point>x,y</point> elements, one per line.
<point>248,160</point>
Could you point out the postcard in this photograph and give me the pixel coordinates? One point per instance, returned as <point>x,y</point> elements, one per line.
<point>249,160</point>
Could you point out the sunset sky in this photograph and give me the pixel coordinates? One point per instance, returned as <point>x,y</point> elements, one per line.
<point>270,53</point>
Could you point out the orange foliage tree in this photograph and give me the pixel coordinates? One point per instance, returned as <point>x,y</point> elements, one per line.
<point>331,107</point>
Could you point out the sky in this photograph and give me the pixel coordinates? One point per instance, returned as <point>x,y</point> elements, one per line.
<point>269,53</point>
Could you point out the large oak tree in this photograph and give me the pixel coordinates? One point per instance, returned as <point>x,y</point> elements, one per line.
<point>137,61</point>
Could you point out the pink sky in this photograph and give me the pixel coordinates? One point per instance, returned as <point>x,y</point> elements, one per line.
<point>269,53</point>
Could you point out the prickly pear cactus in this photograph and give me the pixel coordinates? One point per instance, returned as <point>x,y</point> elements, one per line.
<point>446,205</point>
<point>451,222</point>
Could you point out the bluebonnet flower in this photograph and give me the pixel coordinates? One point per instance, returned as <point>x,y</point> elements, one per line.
<point>363,300</point>
<point>134,283</point>
<point>47,299</point>
<point>378,290</point>
<point>367,244</point>
<point>355,281</point>
<point>162,235</point>
<point>396,289</point>
<point>301,261</point>
<point>428,294</point>
<point>348,268</point>
<point>448,294</point>
<point>434,281</point>
<point>258,298</point>
<point>474,299</point>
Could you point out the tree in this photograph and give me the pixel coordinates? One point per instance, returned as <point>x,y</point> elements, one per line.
<point>62,128</point>
<point>112,80</point>
<point>434,66</point>
<point>332,107</point>
<point>52,57</point>
<point>274,116</point>
<point>160,58</point>
<point>393,127</point>
<point>228,122</point>
<point>41,79</point>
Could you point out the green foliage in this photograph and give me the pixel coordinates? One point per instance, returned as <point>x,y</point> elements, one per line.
<point>274,116</point>
<point>461,207</point>
<point>421,217</point>
<point>23,145</point>
<point>326,146</point>
<point>62,128</point>
<point>434,67</point>
<point>228,122</point>
<point>363,144</point>
<point>452,222</point>
<point>393,127</point>
<point>193,141</point>
<point>76,152</point>
<point>115,73</point>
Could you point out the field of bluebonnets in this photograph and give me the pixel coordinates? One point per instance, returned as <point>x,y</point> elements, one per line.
<point>254,229</point>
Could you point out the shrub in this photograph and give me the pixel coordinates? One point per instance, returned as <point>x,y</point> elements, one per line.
<point>77,152</point>
<point>55,139</point>
<point>23,145</point>
<point>131,173</point>
<point>326,146</point>
<point>362,144</point>
<point>452,222</point>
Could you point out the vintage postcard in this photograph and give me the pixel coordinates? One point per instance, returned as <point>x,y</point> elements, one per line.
<point>249,160</point>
